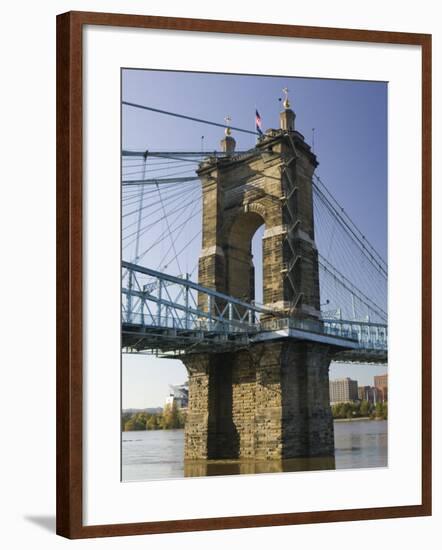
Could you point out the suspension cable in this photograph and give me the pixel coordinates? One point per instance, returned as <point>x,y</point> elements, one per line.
<point>194,119</point>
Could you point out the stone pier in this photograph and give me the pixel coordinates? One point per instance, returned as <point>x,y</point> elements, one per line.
<point>271,401</point>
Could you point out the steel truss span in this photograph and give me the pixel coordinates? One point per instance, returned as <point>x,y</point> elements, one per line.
<point>170,316</point>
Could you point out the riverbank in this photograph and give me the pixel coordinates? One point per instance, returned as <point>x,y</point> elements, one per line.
<point>358,410</point>
<point>357,419</point>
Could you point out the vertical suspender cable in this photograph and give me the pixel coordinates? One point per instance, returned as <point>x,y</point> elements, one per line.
<point>137,245</point>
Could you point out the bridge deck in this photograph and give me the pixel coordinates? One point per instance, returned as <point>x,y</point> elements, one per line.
<point>175,342</point>
<point>162,315</point>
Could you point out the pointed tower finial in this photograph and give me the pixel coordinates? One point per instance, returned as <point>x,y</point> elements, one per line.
<point>286,101</point>
<point>287,116</point>
<point>228,143</point>
<point>228,120</point>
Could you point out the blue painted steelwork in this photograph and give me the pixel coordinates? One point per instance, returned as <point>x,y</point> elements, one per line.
<point>175,315</point>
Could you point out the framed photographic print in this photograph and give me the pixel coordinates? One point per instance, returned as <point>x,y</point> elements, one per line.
<point>243,274</point>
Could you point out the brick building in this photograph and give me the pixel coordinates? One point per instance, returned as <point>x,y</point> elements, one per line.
<point>381,384</point>
<point>343,390</point>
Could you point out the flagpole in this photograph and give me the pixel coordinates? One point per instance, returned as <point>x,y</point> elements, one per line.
<point>257,137</point>
<point>258,123</point>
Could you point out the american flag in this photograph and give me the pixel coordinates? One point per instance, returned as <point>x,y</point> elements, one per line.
<point>258,122</point>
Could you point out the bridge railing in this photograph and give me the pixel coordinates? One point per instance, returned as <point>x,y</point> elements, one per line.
<point>309,325</point>
<point>173,322</point>
<point>152,298</point>
<point>157,300</point>
<point>368,335</point>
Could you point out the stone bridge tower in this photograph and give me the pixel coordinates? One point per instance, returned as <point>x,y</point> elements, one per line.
<point>272,400</point>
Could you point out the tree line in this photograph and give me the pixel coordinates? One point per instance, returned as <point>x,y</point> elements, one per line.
<point>360,409</point>
<point>172,418</point>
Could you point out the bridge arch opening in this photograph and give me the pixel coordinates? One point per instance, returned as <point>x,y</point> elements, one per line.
<point>245,257</point>
<point>258,264</point>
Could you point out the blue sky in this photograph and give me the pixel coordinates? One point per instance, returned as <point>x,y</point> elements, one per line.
<point>350,140</point>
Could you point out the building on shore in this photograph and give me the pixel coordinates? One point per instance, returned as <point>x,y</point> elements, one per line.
<point>343,390</point>
<point>381,385</point>
<point>366,393</point>
<point>178,395</point>
<point>370,394</point>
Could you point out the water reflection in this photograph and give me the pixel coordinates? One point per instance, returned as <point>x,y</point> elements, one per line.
<point>197,468</point>
<point>361,444</point>
<point>159,454</point>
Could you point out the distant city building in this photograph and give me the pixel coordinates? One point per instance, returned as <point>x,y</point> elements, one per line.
<point>343,390</point>
<point>370,394</point>
<point>366,393</point>
<point>178,395</point>
<point>381,384</point>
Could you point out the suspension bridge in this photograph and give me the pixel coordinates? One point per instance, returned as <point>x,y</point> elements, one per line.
<point>191,289</point>
<point>162,206</point>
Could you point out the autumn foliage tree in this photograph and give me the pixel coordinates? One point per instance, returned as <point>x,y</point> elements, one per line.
<point>172,418</point>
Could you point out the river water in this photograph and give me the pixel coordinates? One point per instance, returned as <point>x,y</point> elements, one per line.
<point>159,454</point>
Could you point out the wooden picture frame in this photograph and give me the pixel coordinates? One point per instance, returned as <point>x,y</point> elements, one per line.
<point>70,80</point>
